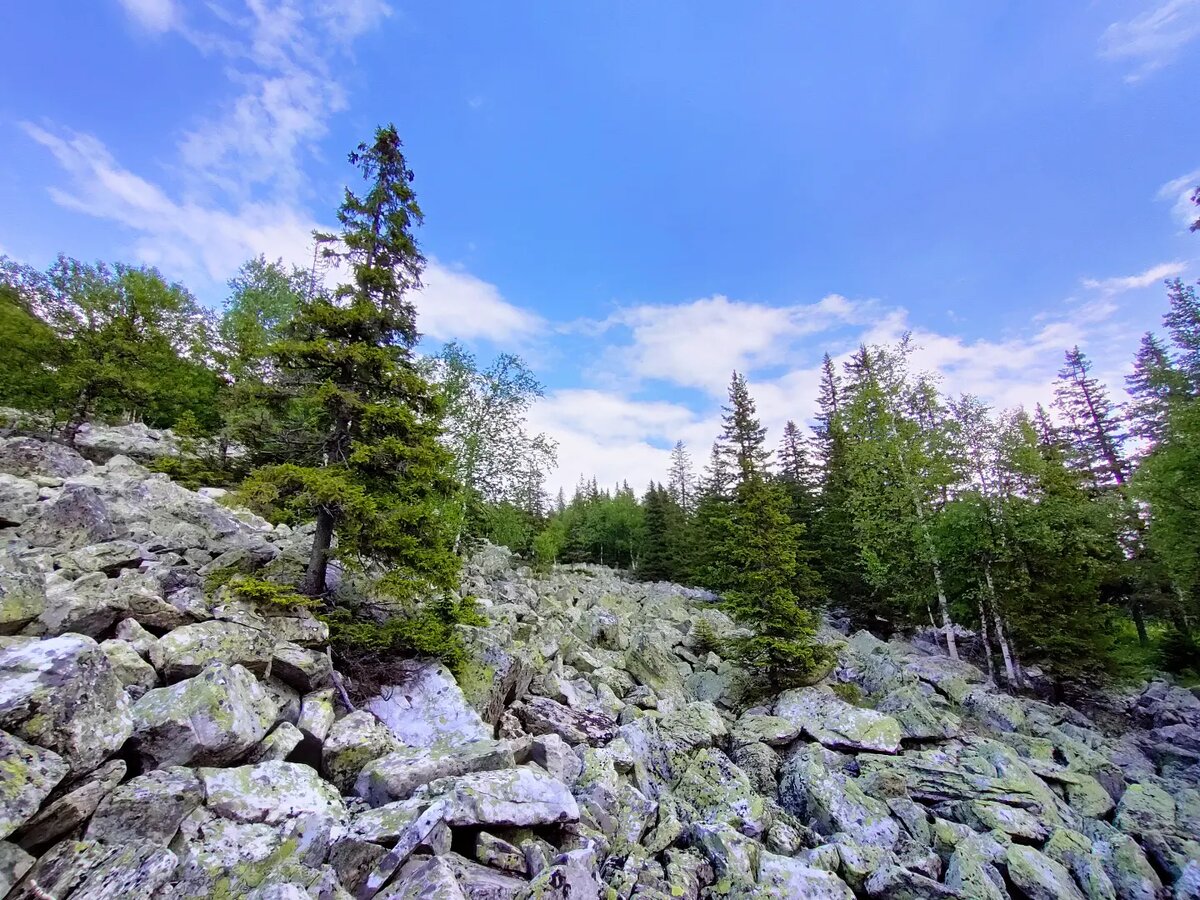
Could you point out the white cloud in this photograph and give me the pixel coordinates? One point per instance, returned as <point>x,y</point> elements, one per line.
<point>1178,192</point>
<point>456,304</point>
<point>698,344</point>
<point>1151,276</point>
<point>153,15</point>
<point>1153,39</point>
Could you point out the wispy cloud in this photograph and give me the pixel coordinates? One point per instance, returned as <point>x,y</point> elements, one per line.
<point>1151,276</point>
<point>153,15</point>
<point>1178,192</point>
<point>1153,39</point>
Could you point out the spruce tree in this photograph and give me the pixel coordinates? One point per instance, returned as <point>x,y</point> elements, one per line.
<point>754,561</point>
<point>1153,386</point>
<point>659,560</point>
<point>682,479</point>
<point>369,466</point>
<point>1094,421</point>
<point>1183,323</point>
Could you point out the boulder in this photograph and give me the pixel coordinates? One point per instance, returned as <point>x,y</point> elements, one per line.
<point>72,808</point>
<point>832,801</point>
<point>1075,853</point>
<point>352,742</point>
<point>17,498</point>
<point>790,877</point>
<point>1145,808</point>
<point>135,673</point>
<point>63,695</point>
<point>278,745</point>
<point>398,774</point>
<point>269,793</point>
<point>430,879</point>
<point>22,595</point>
<point>653,665</point>
<point>78,516</point>
<point>542,715</point>
<point>826,718</point>
<point>426,709</point>
<point>30,773</point>
<point>184,652</point>
<point>108,558</point>
<point>149,808</point>
<point>916,716</point>
<point>87,870</point>
<point>720,793</point>
<point>25,456</point>
<point>770,730</point>
<point>1000,712</point>
<point>14,862</point>
<point>305,670</point>
<point>88,605</point>
<point>515,797</point>
<point>1038,876</point>
<point>211,719</point>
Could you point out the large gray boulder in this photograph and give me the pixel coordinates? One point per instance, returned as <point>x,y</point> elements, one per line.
<point>22,595</point>
<point>30,773</point>
<point>269,793</point>
<point>17,498</point>
<point>579,725</point>
<point>184,652</point>
<point>149,808</point>
<point>62,694</point>
<point>515,797</point>
<point>86,870</point>
<point>397,775</point>
<point>25,456</point>
<point>832,801</point>
<point>212,719</point>
<point>826,718</point>
<point>426,708</point>
<point>71,809</point>
<point>1039,877</point>
<point>784,877</point>
<point>352,742</point>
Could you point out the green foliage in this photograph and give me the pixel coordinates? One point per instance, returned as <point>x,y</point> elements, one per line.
<point>430,629</point>
<point>353,435</point>
<point>268,593</point>
<point>93,341</point>
<point>706,639</point>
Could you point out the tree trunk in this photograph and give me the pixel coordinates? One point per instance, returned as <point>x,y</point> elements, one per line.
<point>944,608</point>
<point>1139,622</point>
<point>1011,673</point>
<point>318,560</point>
<point>987,642</point>
<point>78,416</point>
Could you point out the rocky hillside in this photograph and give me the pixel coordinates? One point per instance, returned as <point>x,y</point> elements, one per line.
<point>160,738</point>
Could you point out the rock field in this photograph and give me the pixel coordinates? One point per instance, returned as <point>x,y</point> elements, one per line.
<point>161,739</point>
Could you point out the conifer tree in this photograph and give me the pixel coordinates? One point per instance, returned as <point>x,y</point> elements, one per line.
<point>1183,323</point>
<point>754,560</point>
<point>1094,422</point>
<point>369,467</point>
<point>682,479</point>
<point>1153,386</point>
<point>660,558</point>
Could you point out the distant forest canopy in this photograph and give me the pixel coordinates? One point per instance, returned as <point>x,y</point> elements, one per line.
<point>1066,537</point>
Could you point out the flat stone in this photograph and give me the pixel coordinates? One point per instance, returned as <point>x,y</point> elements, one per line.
<point>542,715</point>
<point>184,652</point>
<point>427,709</point>
<point>278,745</point>
<point>516,797</point>
<point>785,877</point>
<point>149,808</point>
<point>269,793</point>
<point>305,670</point>
<point>1144,808</point>
<point>397,775</point>
<point>773,731</point>
<point>826,718</point>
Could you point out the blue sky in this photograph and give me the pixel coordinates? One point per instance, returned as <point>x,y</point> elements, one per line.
<point>640,197</point>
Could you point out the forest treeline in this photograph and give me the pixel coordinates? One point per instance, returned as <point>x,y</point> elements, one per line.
<point>1067,536</point>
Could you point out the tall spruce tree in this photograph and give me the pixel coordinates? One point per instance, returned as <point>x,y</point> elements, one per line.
<point>1183,323</point>
<point>767,584</point>
<point>1094,423</point>
<point>369,467</point>
<point>1153,386</point>
<point>682,479</point>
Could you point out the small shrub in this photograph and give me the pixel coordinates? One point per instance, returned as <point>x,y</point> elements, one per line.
<point>706,638</point>
<point>266,593</point>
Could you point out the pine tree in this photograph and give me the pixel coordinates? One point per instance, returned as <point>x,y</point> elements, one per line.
<point>1183,323</point>
<point>744,437</point>
<point>1153,386</point>
<point>1094,422</point>
<point>660,554</point>
<point>370,467</point>
<point>682,479</point>
<point>753,559</point>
